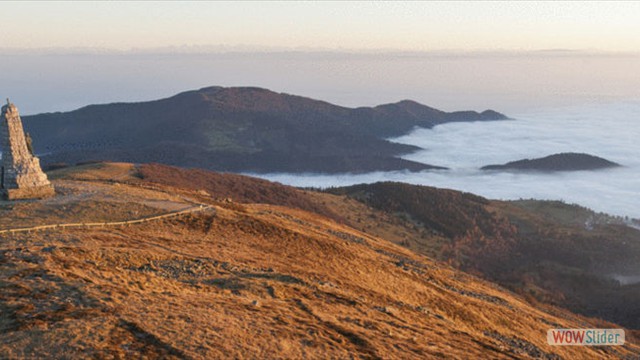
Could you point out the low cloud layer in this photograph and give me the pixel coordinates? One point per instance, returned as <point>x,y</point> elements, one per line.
<point>611,131</point>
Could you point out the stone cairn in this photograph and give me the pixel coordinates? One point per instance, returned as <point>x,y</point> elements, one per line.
<point>21,176</point>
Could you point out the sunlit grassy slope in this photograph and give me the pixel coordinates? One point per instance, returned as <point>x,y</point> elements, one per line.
<point>249,280</point>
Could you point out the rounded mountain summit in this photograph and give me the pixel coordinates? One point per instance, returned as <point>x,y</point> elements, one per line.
<point>241,129</point>
<point>557,162</point>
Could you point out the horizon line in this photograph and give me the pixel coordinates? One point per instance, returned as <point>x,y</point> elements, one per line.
<point>244,49</point>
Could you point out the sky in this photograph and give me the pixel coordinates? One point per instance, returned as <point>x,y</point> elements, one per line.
<point>508,56</point>
<point>398,25</point>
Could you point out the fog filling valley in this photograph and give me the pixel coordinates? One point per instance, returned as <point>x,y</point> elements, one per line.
<point>544,92</point>
<point>605,130</point>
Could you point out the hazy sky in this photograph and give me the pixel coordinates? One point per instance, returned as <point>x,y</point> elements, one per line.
<point>515,57</point>
<point>450,55</point>
<point>608,26</point>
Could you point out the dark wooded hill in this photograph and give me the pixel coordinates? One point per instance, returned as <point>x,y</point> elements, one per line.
<point>240,129</point>
<point>557,162</point>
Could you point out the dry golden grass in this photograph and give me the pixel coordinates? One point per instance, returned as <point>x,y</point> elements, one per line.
<point>91,193</point>
<point>256,281</point>
<point>540,249</point>
<point>402,231</point>
<point>97,171</point>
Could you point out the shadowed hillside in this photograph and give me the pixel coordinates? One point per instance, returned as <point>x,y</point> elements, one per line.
<point>248,280</point>
<point>239,129</point>
<point>547,251</point>
<point>238,188</point>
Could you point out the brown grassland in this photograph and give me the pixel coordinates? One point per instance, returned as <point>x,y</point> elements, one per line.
<point>246,279</point>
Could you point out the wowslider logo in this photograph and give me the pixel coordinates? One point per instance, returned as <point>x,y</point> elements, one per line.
<point>585,337</point>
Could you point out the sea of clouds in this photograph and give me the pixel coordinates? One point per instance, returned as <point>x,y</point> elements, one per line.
<point>519,84</point>
<point>611,131</point>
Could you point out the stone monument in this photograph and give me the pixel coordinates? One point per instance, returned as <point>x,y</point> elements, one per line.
<point>21,176</point>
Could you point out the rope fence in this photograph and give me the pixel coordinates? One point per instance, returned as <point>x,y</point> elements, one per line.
<point>104,224</point>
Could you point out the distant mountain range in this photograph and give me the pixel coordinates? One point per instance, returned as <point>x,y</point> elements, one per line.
<point>240,129</point>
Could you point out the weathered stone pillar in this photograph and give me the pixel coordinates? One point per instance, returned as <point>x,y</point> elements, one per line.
<point>21,177</point>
